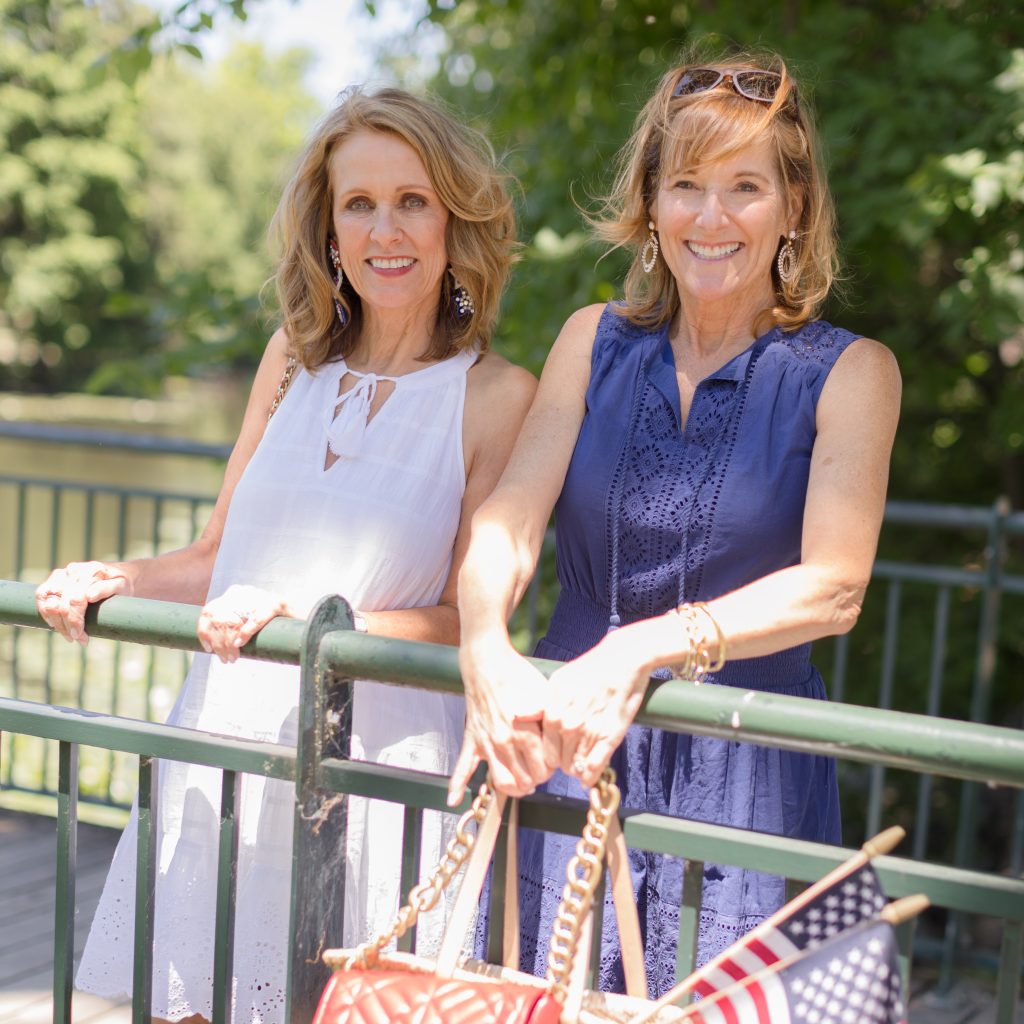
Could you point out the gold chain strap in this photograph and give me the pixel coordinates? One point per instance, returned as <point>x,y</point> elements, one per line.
<point>424,896</point>
<point>285,383</point>
<point>582,878</point>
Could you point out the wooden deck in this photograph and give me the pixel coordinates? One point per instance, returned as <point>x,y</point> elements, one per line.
<point>28,845</point>
<point>27,877</point>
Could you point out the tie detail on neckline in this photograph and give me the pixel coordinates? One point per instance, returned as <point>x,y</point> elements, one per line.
<point>346,420</point>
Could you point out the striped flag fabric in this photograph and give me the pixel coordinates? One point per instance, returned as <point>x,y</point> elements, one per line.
<point>851,978</point>
<point>851,899</point>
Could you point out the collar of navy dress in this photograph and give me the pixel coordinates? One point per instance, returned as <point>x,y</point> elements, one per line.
<point>661,369</point>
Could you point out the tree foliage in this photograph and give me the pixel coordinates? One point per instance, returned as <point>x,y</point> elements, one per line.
<point>134,203</point>
<point>217,144</point>
<point>69,179</point>
<point>921,106</point>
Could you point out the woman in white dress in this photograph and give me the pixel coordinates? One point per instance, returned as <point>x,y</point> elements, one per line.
<point>397,234</point>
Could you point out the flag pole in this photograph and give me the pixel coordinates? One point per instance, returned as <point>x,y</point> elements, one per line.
<point>893,913</point>
<point>874,847</point>
<point>903,910</point>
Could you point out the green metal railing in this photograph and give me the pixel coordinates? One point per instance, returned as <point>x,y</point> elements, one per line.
<point>941,639</point>
<point>331,655</point>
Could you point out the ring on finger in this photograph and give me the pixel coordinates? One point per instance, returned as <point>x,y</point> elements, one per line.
<point>579,765</point>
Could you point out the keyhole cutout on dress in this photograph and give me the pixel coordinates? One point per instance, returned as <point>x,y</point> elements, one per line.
<point>375,388</point>
<point>686,395</point>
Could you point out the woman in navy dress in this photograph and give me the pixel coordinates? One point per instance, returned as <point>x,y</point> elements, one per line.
<point>719,458</point>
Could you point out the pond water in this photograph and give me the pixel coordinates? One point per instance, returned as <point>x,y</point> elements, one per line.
<point>51,528</point>
<point>75,504</point>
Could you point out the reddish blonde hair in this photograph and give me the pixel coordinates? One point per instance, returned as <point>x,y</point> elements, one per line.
<point>673,132</point>
<point>480,235</point>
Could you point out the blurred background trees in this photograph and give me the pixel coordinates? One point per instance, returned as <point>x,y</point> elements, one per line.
<point>135,192</point>
<point>921,106</point>
<point>136,184</point>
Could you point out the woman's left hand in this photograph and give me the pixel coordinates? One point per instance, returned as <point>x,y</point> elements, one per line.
<point>592,702</point>
<point>229,622</point>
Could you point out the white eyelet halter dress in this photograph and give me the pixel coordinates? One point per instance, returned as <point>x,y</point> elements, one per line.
<point>377,526</point>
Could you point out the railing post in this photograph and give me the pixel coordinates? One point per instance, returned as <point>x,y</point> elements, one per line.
<point>689,920</point>
<point>145,891</point>
<point>64,895</point>
<point>318,849</point>
<point>981,702</point>
<point>227,885</point>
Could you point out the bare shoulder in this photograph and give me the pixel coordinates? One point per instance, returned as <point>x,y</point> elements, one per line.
<point>578,332</point>
<point>498,395</point>
<point>865,379</point>
<point>278,349</point>
<point>866,355</point>
<point>493,374</point>
<point>267,379</point>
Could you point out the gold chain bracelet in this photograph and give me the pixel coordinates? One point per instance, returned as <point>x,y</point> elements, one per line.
<point>697,661</point>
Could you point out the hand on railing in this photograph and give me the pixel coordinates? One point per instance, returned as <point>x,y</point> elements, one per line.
<point>66,593</point>
<point>505,697</point>
<point>227,623</point>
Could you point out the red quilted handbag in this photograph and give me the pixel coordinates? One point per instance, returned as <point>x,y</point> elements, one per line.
<point>373,986</point>
<point>389,996</point>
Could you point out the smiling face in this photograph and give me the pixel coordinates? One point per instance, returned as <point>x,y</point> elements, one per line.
<point>389,224</point>
<point>719,227</point>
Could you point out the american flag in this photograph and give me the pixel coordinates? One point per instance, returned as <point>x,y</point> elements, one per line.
<point>851,899</point>
<point>851,978</point>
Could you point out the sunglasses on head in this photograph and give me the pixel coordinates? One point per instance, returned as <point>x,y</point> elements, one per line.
<point>761,86</point>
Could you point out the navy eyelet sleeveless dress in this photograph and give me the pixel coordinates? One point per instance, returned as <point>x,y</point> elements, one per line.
<point>654,512</point>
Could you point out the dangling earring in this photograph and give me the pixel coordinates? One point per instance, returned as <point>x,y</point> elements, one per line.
<point>339,278</point>
<point>651,244</point>
<point>786,262</point>
<point>462,301</point>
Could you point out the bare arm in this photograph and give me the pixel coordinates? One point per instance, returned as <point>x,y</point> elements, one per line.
<point>856,423</point>
<point>506,537</point>
<point>498,396</point>
<point>182,575</point>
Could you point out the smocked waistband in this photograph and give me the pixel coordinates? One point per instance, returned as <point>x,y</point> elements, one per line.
<point>578,624</point>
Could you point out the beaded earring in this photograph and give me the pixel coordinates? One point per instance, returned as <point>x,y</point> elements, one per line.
<point>786,261</point>
<point>651,244</point>
<point>339,278</point>
<point>462,301</point>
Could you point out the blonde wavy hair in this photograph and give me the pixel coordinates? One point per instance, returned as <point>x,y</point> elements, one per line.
<point>480,234</point>
<point>690,131</point>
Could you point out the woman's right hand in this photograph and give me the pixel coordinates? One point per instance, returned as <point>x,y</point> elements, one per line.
<point>504,710</point>
<point>66,593</point>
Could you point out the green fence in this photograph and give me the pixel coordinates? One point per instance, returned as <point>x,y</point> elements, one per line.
<point>939,635</point>
<point>934,638</point>
<point>331,655</point>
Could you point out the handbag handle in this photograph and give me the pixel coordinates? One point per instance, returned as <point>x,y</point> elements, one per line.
<point>582,878</point>
<point>601,835</point>
<point>486,812</point>
<point>583,875</point>
<point>630,940</point>
<point>283,385</point>
<point>468,899</point>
